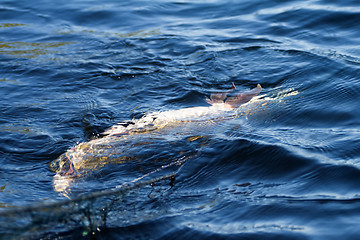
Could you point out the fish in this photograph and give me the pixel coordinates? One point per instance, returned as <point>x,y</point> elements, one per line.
<point>120,143</point>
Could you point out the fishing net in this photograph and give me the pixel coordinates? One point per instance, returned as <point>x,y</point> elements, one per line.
<point>125,204</point>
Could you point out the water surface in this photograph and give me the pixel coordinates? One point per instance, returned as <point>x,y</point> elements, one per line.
<point>290,170</point>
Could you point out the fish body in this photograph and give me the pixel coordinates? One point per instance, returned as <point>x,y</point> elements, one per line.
<point>121,142</point>
<point>160,119</point>
<point>220,103</point>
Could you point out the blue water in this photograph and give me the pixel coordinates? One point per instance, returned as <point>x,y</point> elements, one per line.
<point>288,170</point>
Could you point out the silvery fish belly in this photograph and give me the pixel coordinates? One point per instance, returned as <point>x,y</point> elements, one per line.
<point>155,140</point>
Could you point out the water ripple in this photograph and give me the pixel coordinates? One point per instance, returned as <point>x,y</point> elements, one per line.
<point>279,168</point>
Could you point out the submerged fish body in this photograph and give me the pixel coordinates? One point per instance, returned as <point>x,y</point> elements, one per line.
<point>129,140</point>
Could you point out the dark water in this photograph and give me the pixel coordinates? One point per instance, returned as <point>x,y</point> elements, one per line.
<point>290,170</point>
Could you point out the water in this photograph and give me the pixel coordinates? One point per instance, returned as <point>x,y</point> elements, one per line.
<point>288,169</point>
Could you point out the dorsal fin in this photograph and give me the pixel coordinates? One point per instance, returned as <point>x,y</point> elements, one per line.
<point>244,97</point>
<point>220,97</point>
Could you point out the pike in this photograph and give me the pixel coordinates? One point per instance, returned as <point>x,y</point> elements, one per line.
<point>95,153</point>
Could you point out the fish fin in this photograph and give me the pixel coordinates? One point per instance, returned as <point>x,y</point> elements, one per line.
<point>208,101</point>
<point>233,86</point>
<point>219,97</point>
<point>244,97</point>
